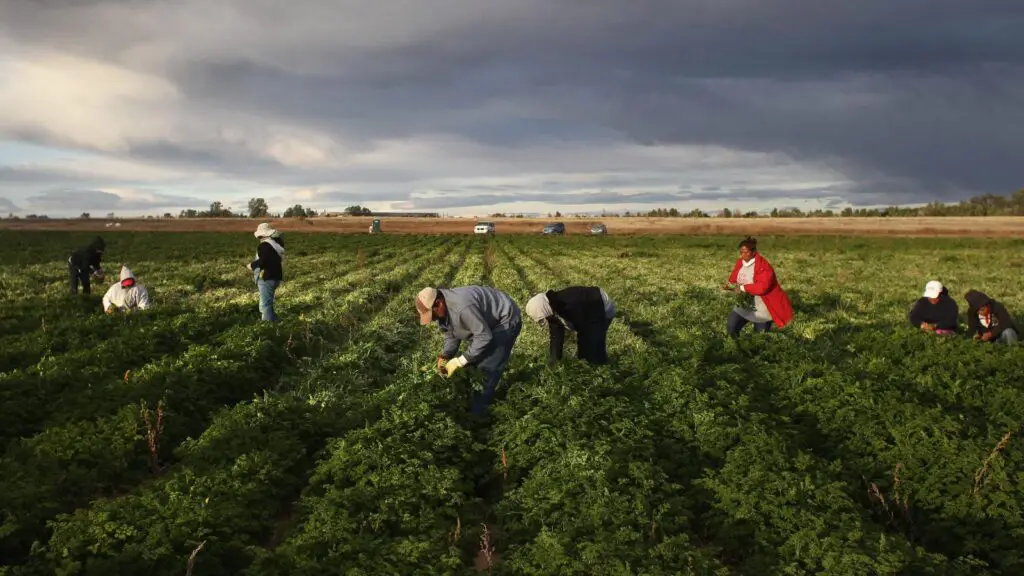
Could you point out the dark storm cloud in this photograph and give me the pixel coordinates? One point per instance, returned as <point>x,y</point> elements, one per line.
<point>910,101</point>
<point>8,206</point>
<point>82,199</point>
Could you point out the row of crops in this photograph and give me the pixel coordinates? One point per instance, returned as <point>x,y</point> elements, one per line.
<point>195,438</point>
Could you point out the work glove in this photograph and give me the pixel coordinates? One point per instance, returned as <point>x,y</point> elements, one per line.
<point>110,310</point>
<point>454,364</point>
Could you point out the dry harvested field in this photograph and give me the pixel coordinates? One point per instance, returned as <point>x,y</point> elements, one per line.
<point>950,226</point>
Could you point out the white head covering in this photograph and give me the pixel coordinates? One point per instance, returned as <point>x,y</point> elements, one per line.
<point>265,230</point>
<point>425,304</point>
<point>539,307</point>
<point>933,289</point>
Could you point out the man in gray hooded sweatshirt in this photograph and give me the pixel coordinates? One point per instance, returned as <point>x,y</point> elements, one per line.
<point>488,318</point>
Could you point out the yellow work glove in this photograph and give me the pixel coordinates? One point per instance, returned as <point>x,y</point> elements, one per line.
<point>454,364</point>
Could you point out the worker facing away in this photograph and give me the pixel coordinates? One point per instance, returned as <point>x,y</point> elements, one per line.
<point>84,263</point>
<point>488,319</point>
<point>935,311</point>
<point>586,309</point>
<point>127,295</point>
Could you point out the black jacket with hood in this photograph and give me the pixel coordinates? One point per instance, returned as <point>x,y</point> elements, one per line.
<point>942,315</point>
<point>579,308</point>
<point>88,259</point>
<point>1000,317</point>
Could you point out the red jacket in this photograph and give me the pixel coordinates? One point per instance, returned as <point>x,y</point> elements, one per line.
<point>767,287</point>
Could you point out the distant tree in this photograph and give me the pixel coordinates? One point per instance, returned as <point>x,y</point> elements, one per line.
<point>310,212</point>
<point>357,210</point>
<point>295,211</point>
<point>190,213</point>
<point>110,215</point>
<point>84,216</point>
<point>558,214</point>
<point>168,215</point>
<point>726,213</point>
<point>258,208</point>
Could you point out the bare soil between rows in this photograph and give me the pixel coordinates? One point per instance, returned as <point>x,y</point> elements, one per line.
<point>994,226</point>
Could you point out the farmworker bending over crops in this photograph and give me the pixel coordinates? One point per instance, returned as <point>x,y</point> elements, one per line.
<point>487,317</point>
<point>989,320</point>
<point>85,262</point>
<point>753,275</point>
<point>127,295</point>
<point>935,311</point>
<point>586,309</point>
<point>267,268</point>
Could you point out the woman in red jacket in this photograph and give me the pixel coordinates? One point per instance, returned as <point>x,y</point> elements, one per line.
<point>754,275</point>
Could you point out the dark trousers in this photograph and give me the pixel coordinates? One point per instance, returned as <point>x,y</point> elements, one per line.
<point>76,275</point>
<point>737,322</point>
<point>493,365</point>
<point>592,342</point>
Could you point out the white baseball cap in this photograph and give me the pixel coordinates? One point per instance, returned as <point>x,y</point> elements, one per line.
<point>933,289</point>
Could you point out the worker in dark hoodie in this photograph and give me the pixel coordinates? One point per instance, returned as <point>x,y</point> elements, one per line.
<point>85,262</point>
<point>988,320</point>
<point>586,309</point>
<point>935,311</point>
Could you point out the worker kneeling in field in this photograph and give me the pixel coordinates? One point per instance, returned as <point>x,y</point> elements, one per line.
<point>586,309</point>
<point>85,262</point>
<point>988,320</point>
<point>935,311</point>
<point>127,295</point>
<point>753,275</point>
<point>488,318</point>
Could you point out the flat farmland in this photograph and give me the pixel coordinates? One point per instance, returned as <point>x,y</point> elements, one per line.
<point>992,226</point>
<point>193,436</point>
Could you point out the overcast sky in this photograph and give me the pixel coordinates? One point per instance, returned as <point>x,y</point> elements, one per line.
<point>476,106</point>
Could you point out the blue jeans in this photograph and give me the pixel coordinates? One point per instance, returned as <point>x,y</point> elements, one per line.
<point>267,289</point>
<point>493,365</point>
<point>737,322</point>
<point>1008,337</point>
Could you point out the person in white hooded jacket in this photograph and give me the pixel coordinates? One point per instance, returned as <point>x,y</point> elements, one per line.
<point>127,295</point>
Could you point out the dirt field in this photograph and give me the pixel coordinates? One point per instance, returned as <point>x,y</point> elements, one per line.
<point>991,226</point>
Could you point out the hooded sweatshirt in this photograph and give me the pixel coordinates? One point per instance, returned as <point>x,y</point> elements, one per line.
<point>269,257</point>
<point>586,309</point>
<point>998,319</point>
<point>126,298</point>
<point>942,315</point>
<point>88,258</point>
<point>475,313</point>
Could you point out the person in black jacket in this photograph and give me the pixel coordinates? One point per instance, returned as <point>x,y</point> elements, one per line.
<point>84,263</point>
<point>935,311</point>
<point>989,320</point>
<point>586,309</point>
<point>267,267</point>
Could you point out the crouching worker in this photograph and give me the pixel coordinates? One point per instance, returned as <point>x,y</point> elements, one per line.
<point>753,275</point>
<point>485,317</point>
<point>586,309</point>
<point>935,311</point>
<point>127,295</point>
<point>988,320</point>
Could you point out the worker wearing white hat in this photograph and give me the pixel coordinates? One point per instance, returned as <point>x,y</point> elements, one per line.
<point>936,311</point>
<point>267,267</point>
<point>485,317</point>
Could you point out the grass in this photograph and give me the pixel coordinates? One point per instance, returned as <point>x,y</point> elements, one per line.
<point>847,442</point>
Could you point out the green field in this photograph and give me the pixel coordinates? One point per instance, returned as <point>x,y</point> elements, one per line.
<point>847,443</point>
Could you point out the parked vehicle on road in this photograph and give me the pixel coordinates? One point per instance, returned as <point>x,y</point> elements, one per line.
<point>484,228</point>
<point>554,228</point>
<point>598,229</point>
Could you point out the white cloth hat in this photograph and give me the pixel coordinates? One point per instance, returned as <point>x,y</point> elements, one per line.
<point>265,230</point>
<point>539,307</point>
<point>933,289</point>
<point>425,304</point>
